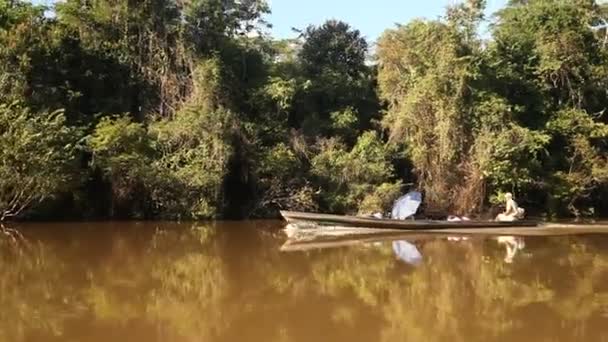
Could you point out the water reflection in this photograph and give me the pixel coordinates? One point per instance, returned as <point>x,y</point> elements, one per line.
<point>407,252</point>
<point>512,245</point>
<point>231,281</point>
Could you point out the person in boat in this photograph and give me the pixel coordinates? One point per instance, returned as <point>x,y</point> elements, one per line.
<point>512,211</point>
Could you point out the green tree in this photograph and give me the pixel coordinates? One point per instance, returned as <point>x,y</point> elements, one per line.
<point>549,60</point>
<point>159,40</point>
<point>424,76</point>
<point>460,135</point>
<point>336,79</point>
<point>23,37</point>
<point>123,152</point>
<point>358,180</point>
<point>38,153</point>
<point>195,148</point>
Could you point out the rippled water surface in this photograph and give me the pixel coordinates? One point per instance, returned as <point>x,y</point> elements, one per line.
<point>246,282</point>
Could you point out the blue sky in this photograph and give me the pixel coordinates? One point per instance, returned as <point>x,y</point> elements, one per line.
<point>371,17</point>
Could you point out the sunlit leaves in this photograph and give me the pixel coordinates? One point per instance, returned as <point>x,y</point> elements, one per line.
<point>37,158</point>
<point>349,176</point>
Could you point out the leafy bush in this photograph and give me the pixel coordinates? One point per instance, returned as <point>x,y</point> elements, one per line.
<point>585,165</point>
<point>122,150</point>
<point>37,158</point>
<point>195,147</point>
<point>282,182</point>
<point>356,180</point>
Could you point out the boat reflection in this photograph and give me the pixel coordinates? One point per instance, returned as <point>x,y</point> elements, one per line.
<point>406,247</point>
<point>311,239</point>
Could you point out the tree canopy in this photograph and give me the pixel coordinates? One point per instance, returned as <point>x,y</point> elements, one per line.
<point>189,110</point>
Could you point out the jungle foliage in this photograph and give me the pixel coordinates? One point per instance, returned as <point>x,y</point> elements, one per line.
<point>190,110</point>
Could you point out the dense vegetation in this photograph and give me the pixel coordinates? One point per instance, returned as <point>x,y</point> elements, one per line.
<point>187,110</point>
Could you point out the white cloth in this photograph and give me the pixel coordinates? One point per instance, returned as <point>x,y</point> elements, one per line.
<point>453,218</point>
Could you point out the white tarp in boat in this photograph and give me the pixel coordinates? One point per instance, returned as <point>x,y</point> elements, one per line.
<point>406,205</point>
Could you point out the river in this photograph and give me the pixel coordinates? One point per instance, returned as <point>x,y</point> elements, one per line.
<point>243,281</point>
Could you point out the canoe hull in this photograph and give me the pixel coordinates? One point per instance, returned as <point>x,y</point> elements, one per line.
<point>310,220</point>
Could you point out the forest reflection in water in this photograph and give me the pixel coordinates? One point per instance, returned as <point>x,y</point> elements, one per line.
<point>231,281</point>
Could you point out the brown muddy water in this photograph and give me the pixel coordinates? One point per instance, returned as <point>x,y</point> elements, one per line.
<point>244,281</point>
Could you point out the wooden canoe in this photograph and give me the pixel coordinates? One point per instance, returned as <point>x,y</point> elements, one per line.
<point>312,219</point>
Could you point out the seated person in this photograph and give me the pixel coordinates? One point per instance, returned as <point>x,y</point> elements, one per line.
<point>512,211</point>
